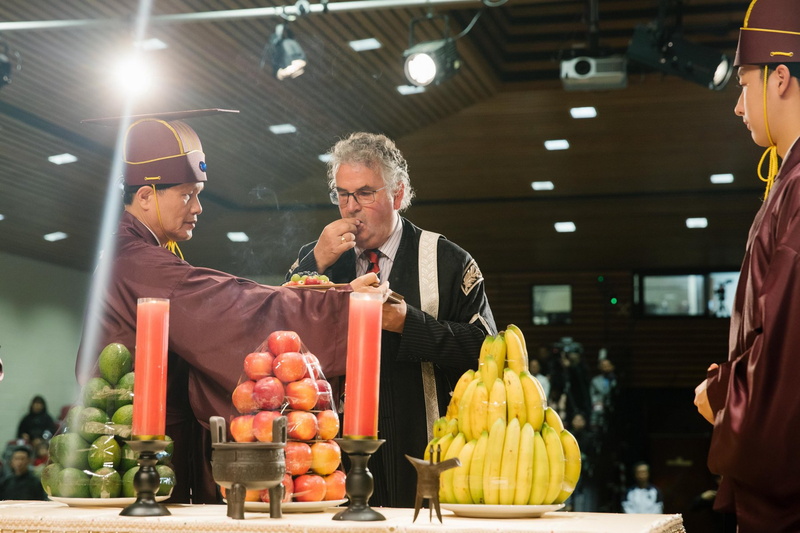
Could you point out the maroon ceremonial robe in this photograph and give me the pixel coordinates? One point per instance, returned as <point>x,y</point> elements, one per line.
<point>216,319</point>
<point>755,395</point>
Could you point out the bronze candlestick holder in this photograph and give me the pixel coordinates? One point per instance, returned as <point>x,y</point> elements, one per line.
<point>147,480</point>
<point>359,484</point>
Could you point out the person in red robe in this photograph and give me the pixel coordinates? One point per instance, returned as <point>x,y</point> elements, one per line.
<point>752,399</point>
<point>216,318</point>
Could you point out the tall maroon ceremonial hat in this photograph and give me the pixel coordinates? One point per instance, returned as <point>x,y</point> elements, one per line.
<point>770,33</point>
<point>160,148</point>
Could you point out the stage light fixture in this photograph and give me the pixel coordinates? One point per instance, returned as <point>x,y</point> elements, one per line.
<point>431,61</point>
<point>288,58</point>
<point>671,53</point>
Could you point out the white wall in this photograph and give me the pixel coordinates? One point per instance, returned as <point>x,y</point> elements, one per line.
<point>41,316</point>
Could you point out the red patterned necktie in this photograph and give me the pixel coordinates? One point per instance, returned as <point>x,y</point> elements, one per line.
<point>372,257</point>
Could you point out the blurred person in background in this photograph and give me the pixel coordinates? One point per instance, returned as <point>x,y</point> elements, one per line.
<point>37,424</point>
<point>41,454</point>
<point>21,483</point>
<point>584,498</point>
<point>603,389</point>
<point>643,497</point>
<point>535,368</point>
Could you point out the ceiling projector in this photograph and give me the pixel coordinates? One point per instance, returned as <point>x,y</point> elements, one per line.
<point>586,73</point>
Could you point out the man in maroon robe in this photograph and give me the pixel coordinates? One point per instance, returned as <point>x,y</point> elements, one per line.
<point>216,319</point>
<point>753,399</point>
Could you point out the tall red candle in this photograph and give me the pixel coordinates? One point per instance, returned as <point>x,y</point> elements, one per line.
<point>362,378</point>
<point>150,378</point>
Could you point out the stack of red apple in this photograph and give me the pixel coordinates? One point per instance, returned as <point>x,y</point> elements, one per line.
<point>281,378</point>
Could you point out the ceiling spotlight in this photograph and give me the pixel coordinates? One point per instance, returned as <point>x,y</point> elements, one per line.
<point>671,53</point>
<point>431,61</point>
<point>288,58</point>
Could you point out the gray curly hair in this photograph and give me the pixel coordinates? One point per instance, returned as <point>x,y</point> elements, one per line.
<point>376,152</point>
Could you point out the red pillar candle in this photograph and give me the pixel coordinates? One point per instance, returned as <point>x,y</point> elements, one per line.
<point>362,377</point>
<point>150,378</point>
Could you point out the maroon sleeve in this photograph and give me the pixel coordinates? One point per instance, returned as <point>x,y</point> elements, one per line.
<point>718,385</point>
<point>755,396</point>
<point>216,320</point>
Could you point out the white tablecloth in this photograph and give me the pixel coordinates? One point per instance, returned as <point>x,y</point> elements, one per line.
<point>46,517</point>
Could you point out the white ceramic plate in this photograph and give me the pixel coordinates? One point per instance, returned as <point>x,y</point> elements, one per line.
<point>100,502</point>
<point>500,511</point>
<point>294,507</point>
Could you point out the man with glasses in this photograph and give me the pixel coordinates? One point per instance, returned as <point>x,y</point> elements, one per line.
<point>430,337</point>
<point>216,318</point>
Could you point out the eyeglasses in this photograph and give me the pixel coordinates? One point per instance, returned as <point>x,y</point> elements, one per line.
<point>361,197</point>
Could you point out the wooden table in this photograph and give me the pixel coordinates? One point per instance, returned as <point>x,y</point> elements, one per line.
<point>46,517</point>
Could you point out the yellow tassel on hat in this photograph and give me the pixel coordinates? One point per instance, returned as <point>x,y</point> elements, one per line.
<point>171,245</point>
<point>770,153</point>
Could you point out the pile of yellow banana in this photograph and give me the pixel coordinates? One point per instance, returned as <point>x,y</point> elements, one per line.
<point>513,449</point>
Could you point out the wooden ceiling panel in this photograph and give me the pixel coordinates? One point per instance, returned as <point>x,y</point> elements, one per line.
<point>474,142</point>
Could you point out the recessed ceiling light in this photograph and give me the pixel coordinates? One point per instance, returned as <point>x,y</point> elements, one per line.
<point>280,129</point>
<point>55,236</point>
<point>697,222</point>
<point>62,159</point>
<point>583,112</point>
<point>362,45</point>
<point>151,44</point>
<point>721,178</point>
<point>2,217</point>
<point>542,185</point>
<point>565,227</point>
<point>410,89</point>
<point>324,157</point>
<point>238,236</point>
<point>556,144</point>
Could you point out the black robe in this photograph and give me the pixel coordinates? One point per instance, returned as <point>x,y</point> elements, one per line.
<point>452,343</point>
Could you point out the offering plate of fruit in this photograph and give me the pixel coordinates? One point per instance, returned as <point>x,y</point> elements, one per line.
<point>517,459</point>
<point>282,378</point>
<point>500,511</point>
<point>100,502</point>
<point>311,280</point>
<point>321,282</point>
<point>294,507</point>
<point>91,464</point>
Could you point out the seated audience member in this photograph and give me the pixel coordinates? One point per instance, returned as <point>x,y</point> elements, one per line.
<point>41,454</point>
<point>21,483</point>
<point>643,497</point>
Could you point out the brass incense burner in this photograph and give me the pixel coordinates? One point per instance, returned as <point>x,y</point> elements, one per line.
<point>242,466</point>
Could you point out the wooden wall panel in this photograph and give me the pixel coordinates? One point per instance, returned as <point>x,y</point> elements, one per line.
<point>648,352</point>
